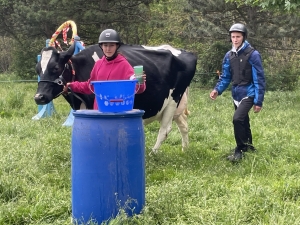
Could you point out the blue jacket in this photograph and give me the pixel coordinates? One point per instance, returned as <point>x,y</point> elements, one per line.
<point>256,89</point>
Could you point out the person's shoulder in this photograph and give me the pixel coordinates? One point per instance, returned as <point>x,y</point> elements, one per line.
<point>122,62</point>
<point>248,48</point>
<point>248,45</point>
<point>255,53</point>
<point>227,54</point>
<point>121,58</point>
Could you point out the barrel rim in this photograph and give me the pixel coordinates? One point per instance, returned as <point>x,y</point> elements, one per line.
<point>97,113</point>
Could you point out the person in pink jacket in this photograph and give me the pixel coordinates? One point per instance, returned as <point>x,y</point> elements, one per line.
<point>112,66</point>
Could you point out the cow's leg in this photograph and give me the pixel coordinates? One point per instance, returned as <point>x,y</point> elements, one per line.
<point>185,101</point>
<point>165,125</point>
<point>180,118</point>
<point>182,124</point>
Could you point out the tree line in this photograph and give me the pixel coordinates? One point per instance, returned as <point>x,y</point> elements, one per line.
<point>200,26</point>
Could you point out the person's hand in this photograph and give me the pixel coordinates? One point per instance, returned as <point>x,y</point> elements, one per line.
<point>213,94</point>
<point>256,108</point>
<point>144,77</point>
<point>65,90</point>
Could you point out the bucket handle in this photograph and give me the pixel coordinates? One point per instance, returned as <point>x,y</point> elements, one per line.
<point>117,99</point>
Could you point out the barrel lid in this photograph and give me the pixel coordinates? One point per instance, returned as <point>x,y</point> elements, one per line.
<point>97,113</point>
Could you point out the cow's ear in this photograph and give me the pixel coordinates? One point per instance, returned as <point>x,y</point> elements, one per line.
<point>65,56</point>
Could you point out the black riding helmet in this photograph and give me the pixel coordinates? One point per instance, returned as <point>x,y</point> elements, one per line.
<point>239,27</point>
<point>110,36</point>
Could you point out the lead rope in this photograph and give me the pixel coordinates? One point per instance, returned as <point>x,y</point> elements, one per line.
<point>72,98</point>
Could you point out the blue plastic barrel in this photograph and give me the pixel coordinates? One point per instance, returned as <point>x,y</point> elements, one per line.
<point>108,164</point>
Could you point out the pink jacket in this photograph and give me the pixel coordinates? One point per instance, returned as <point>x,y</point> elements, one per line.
<point>116,69</point>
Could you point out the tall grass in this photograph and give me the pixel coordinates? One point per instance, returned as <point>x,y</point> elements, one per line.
<point>194,187</point>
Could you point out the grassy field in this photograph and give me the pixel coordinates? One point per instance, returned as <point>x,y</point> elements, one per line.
<point>194,187</point>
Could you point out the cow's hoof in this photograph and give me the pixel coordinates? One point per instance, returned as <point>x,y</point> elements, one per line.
<point>153,152</point>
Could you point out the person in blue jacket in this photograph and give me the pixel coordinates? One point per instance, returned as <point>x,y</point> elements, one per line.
<point>242,66</point>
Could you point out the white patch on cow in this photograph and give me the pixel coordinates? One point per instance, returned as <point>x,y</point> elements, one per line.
<point>95,57</point>
<point>174,51</point>
<point>166,115</point>
<point>82,106</point>
<point>46,55</point>
<point>182,105</point>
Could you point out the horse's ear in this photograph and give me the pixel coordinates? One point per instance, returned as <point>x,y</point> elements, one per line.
<point>65,56</point>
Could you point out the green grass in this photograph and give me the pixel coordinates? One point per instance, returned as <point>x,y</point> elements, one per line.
<point>194,187</point>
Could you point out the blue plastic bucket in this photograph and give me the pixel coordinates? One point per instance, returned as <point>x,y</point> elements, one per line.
<point>108,165</point>
<point>114,95</point>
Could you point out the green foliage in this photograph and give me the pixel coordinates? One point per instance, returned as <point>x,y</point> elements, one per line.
<point>286,5</point>
<point>283,73</point>
<point>30,23</point>
<point>24,58</point>
<point>212,19</point>
<point>5,54</point>
<point>8,77</point>
<point>206,80</point>
<point>171,28</point>
<point>284,81</point>
<point>15,101</point>
<point>199,26</point>
<point>210,57</point>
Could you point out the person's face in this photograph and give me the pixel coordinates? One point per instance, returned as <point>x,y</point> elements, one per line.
<point>237,39</point>
<point>109,49</point>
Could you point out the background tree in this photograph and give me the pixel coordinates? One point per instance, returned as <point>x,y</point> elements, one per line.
<point>287,5</point>
<point>270,32</point>
<point>5,56</point>
<point>31,22</point>
<point>200,26</point>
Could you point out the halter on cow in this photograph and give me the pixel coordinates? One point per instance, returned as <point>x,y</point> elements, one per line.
<point>169,73</point>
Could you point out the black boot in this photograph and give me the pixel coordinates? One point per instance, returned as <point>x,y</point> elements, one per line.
<point>249,148</point>
<point>236,156</point>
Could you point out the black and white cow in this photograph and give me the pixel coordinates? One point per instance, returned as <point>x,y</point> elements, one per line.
<point>169,73</point>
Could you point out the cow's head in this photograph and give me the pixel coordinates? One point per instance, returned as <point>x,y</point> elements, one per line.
<point>53,72</point>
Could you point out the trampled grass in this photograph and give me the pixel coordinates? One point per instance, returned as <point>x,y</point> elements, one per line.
<point>194,187</point>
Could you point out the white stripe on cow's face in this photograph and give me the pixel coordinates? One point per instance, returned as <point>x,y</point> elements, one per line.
<point>46,55</point>
<point>95,57</point>
<point>174,51</point>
